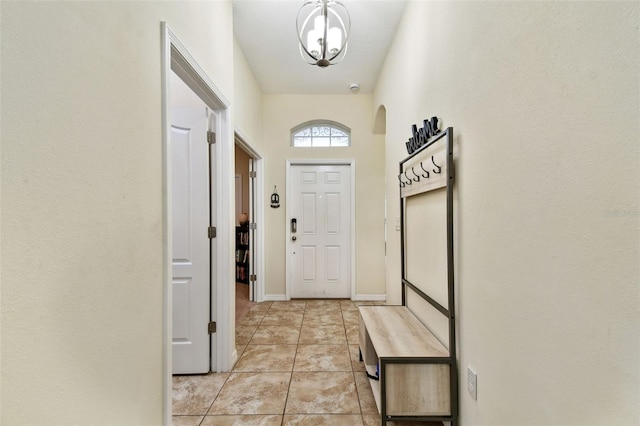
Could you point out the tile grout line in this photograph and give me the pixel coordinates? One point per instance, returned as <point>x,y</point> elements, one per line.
<point>215,398</point>
<point>353,373</point>
<point>286,400</point>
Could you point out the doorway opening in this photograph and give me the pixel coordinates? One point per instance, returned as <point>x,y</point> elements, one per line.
<point>192,207</point>
<point>245,251</point>
<point>249,209</point>
<point>178,64</point>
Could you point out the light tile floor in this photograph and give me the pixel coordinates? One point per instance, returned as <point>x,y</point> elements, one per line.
<point>298,365</point>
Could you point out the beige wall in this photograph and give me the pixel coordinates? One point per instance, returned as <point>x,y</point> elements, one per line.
<point>247,107</point>
<point>543,98</point>
<point>283,112</point>
<point>82,203</point>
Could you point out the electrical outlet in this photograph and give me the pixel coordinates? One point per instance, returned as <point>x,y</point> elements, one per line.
<point>472,383</point>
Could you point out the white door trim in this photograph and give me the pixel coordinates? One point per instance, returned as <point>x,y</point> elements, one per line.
<point>176,57</point>
<point>320,162</point>
<point>258,251</point>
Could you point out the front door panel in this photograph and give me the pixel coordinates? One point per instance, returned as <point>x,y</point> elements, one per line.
<point>320,246</point>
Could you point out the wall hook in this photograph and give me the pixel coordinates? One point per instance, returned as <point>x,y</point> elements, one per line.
<point>425,171</point>
<point>439,168</point>
<point>417,178</point>
<point>408,182</point>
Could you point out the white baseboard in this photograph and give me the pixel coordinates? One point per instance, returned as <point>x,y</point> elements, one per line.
<point>357,298</point>
<point>369,297</point>
<point>275,298</point>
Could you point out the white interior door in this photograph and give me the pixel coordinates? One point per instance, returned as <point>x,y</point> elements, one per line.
<point>252,230</point>
<point>191,254</point>
<point>321,237</point>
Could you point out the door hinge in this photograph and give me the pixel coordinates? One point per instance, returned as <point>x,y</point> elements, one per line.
<point>252,277</point>
<point>211,137</point>
<point>253,174</point>
<point>253,226</point>
<point>212,327</point>
<point>212,232</point>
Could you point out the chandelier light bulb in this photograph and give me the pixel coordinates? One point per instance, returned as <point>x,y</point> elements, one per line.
<point>323,31</point>
<point>334,40</point>
<point>318,24</point>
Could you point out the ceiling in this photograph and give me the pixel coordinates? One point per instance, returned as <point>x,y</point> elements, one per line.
<point>266,33</point>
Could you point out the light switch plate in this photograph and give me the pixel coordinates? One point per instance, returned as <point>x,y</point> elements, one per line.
<point>472,383</point>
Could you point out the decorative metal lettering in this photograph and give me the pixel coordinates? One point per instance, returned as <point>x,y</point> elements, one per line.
<point>421,136</point>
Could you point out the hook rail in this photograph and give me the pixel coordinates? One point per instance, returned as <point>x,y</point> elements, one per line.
<point>430,174</point>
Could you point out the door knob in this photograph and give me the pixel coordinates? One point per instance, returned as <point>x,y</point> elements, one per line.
<point>293,238</point>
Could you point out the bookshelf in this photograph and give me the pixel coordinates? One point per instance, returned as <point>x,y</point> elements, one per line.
<point>242,254</point>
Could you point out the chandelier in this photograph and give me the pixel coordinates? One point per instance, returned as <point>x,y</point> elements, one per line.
<point>323,32</point>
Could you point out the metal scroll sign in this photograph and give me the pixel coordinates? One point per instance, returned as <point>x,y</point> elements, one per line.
<point>421,136</point>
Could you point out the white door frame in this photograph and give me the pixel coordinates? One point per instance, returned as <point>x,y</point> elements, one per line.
<point>176,57</point>
<point>320,162</point>
<point>258,250</point>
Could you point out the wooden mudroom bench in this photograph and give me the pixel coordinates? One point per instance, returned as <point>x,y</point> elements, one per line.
<point>408,368</point>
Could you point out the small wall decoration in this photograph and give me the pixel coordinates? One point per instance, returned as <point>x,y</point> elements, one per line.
<point>422,135</point>
<point>275,198</point>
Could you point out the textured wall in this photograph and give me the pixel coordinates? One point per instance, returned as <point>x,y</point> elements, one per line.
<point>247,107</point>
<point>82,203</point>
<point>543,98</point>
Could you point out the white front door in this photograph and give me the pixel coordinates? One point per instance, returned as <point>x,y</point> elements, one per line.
<point>320,231</point>
<point>191,254</point>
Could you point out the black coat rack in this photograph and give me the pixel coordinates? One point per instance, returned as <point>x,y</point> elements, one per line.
<point>420,173</point>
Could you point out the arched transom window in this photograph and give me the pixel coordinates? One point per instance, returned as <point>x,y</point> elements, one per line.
<point>320,134</point>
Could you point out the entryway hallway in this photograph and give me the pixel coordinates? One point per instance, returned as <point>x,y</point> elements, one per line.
<point>298,365</point>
